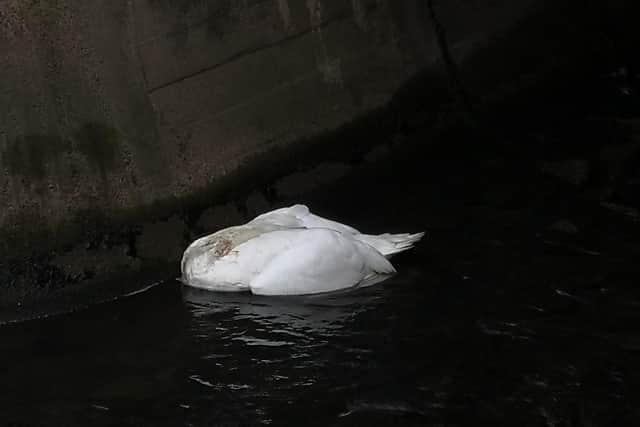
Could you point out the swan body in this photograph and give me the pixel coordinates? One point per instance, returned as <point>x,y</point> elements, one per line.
<point>291,251</point>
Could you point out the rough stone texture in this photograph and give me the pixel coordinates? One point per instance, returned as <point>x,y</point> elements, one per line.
<point>117,114</point>
<point>113,105</point>
<point>252,78</point>
<point>77,132</point>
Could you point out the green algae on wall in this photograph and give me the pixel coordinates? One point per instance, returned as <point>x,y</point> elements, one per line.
<point>29,155</point>
<point>100,144</point>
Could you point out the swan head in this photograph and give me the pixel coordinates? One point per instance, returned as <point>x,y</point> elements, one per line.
<point>199,258</point>
<point>201,255</point>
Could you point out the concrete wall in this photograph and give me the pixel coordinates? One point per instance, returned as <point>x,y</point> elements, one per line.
<point>111,105</point>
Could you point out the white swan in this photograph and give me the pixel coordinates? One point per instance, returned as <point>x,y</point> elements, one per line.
<point>291,251</point>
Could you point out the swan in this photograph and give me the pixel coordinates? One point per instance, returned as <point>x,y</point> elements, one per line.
<point>291,251</point>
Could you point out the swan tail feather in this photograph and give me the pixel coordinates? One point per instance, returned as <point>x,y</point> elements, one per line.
<point>390,244</point>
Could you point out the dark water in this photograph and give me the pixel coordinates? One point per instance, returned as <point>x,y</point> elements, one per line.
<point>487,323</point>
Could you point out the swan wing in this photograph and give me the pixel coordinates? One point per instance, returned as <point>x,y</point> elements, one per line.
<point>310,261</point>
<point>299,216</point>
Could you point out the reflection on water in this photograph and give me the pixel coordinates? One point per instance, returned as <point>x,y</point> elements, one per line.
<point>297,317</point>
<point>276,351</point>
